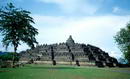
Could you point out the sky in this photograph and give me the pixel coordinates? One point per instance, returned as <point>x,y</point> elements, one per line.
<point>93,22</point>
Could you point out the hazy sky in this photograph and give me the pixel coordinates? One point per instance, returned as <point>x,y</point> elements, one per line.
<point>88,21</point>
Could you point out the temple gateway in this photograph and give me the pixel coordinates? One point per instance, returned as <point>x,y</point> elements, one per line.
<point>69,52</point>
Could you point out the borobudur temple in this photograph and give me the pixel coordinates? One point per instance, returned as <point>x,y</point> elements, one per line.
<point>69,52</point>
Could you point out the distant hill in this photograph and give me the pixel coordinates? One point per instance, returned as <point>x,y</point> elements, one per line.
<point>2,53</point>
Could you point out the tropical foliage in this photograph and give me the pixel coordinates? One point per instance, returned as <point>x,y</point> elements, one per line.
<point>16,27</point>
<point>123,40</point>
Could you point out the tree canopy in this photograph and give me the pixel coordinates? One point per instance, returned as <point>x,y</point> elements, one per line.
<point>122,38</point>
<point>16,27</point>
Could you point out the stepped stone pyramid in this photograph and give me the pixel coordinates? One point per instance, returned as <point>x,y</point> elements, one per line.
<point>69,52</point>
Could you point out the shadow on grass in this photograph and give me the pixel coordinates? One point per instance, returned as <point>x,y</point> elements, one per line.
<point>4,71</point>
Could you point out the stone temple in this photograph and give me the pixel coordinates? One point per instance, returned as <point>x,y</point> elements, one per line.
<point>69,52</point>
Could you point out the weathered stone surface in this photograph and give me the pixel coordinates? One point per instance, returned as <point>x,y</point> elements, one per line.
<point>69,52</point>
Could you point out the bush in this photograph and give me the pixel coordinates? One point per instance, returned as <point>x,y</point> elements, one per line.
<point>109,64</point>
<point>53,62</point>
<point>9,56</point>
<point>77,63</point>
<point>99,64</point>
<point>6,59</point>
<point>30,61</point>
<point>5,64</point>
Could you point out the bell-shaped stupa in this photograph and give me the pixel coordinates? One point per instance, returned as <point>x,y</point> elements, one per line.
<point>70,41</point>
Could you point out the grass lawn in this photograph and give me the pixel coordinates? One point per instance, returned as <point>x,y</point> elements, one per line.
<point>63,72</point>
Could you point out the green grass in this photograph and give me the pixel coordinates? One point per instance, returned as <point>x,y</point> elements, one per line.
<point>63,72</point>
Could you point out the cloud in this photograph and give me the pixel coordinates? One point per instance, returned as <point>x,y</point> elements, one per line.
<point>76,6</point>
<point>116,54</point>
<point>116,9</point>
<point>95,30</point>
<point>119,10</point>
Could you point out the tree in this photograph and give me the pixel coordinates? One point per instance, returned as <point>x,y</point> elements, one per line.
<point>122,38</point>
<point>16,27</point>
<point>122,61</point>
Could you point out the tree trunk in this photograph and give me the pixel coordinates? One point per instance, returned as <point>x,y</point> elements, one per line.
<point>15,49</point>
